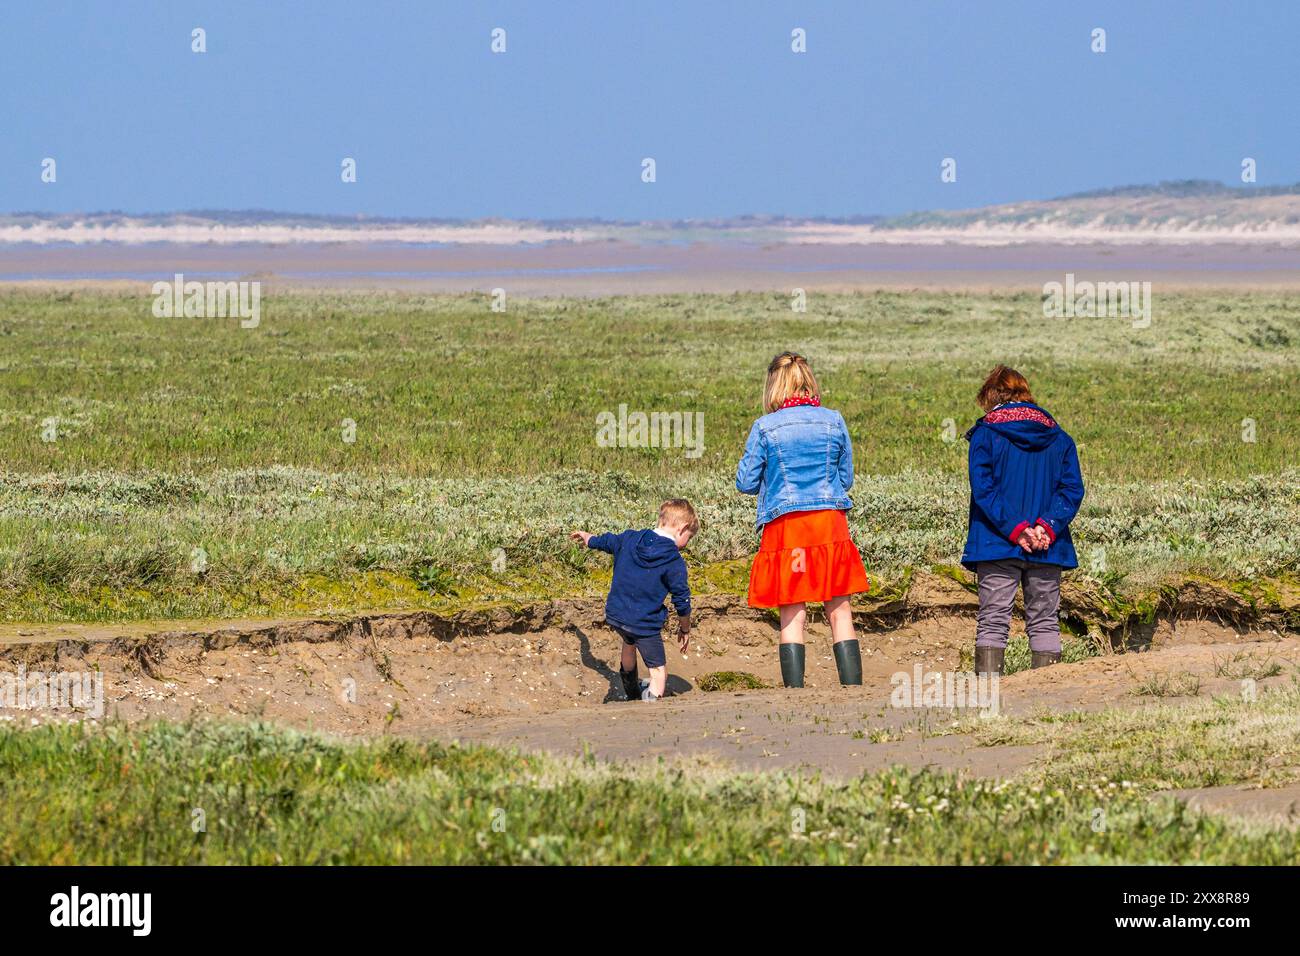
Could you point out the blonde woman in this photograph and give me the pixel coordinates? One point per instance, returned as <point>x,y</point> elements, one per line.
<point>799,462</point>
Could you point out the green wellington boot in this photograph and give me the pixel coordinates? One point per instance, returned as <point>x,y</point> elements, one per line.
<point>848,661</point>
<point>792,665</point>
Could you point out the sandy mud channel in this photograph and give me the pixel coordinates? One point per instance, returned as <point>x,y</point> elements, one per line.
<point>544,677</point>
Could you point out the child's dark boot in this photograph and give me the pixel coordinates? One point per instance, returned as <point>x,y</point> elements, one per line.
<point>631,686</point>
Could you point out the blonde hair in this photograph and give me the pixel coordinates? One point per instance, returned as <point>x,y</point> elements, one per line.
<point>678,512</point>
<point>788,375</point>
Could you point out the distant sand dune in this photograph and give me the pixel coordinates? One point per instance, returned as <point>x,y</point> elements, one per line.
<point>1032,233</point>
<point>1184,213</point>
<point>1180,234</point>
<point>186,233</point>
<point>973,233</point>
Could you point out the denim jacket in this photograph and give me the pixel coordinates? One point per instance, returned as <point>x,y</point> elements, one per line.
<point>797,459</point>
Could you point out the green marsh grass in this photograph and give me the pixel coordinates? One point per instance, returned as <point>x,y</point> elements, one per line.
<point>1204,742</point>
<point>476,431</point>
<point>253,794</point>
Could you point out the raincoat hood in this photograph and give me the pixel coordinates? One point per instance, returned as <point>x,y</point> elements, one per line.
<point>1023,424</point>
<point>653,550</point>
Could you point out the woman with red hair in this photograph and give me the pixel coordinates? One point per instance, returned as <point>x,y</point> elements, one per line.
<point>1026,488</point>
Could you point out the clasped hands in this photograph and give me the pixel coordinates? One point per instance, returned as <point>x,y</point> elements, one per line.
<point>1034,538</point>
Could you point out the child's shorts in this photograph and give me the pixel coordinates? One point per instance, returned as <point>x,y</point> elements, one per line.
<point>651,648</point>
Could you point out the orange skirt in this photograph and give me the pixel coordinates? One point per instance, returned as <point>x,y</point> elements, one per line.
<point>806,556</point>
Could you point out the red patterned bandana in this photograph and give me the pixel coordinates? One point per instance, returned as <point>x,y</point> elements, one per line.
<point>800,400</point>
<point>1024,413</point>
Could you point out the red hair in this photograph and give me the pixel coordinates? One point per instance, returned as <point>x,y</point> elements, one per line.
<point>1003,385</point>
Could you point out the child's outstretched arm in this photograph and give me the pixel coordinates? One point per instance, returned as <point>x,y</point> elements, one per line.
<point>749,473</point>
<point>1067,498</point>
<point>597,542</point>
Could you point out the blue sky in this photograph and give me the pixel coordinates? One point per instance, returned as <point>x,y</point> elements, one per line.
<point>558,125</point>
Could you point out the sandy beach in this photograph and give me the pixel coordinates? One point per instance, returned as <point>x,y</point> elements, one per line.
<point>622,268</point>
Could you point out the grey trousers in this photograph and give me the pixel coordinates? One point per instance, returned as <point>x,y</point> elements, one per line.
<point>998,581</point>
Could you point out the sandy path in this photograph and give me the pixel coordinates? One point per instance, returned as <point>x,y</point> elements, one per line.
<point>548,682</point>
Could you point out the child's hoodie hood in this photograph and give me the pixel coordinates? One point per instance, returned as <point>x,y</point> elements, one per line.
<point>653,550</point>
<point>1023,424</point>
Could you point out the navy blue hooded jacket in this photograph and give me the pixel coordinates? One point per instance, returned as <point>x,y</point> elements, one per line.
<point>1024,470</point>
<point>647,568</point>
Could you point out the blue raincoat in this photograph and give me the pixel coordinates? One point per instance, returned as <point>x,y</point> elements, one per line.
<point>1024,470</point>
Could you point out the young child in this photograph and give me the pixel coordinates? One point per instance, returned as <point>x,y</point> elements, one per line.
<point>648,567</point>
<point>799,462</point>
<point>1026,488</point>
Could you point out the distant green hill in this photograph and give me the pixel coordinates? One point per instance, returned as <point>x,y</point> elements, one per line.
<point>1187,189</point>
<point>1189,204</point>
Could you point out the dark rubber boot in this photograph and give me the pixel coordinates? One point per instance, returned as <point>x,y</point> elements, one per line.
<point>1046,658</point>
<point>792,665</point>
<point>631,686</point>
<point>848,661</point>
<point>989,660</point>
